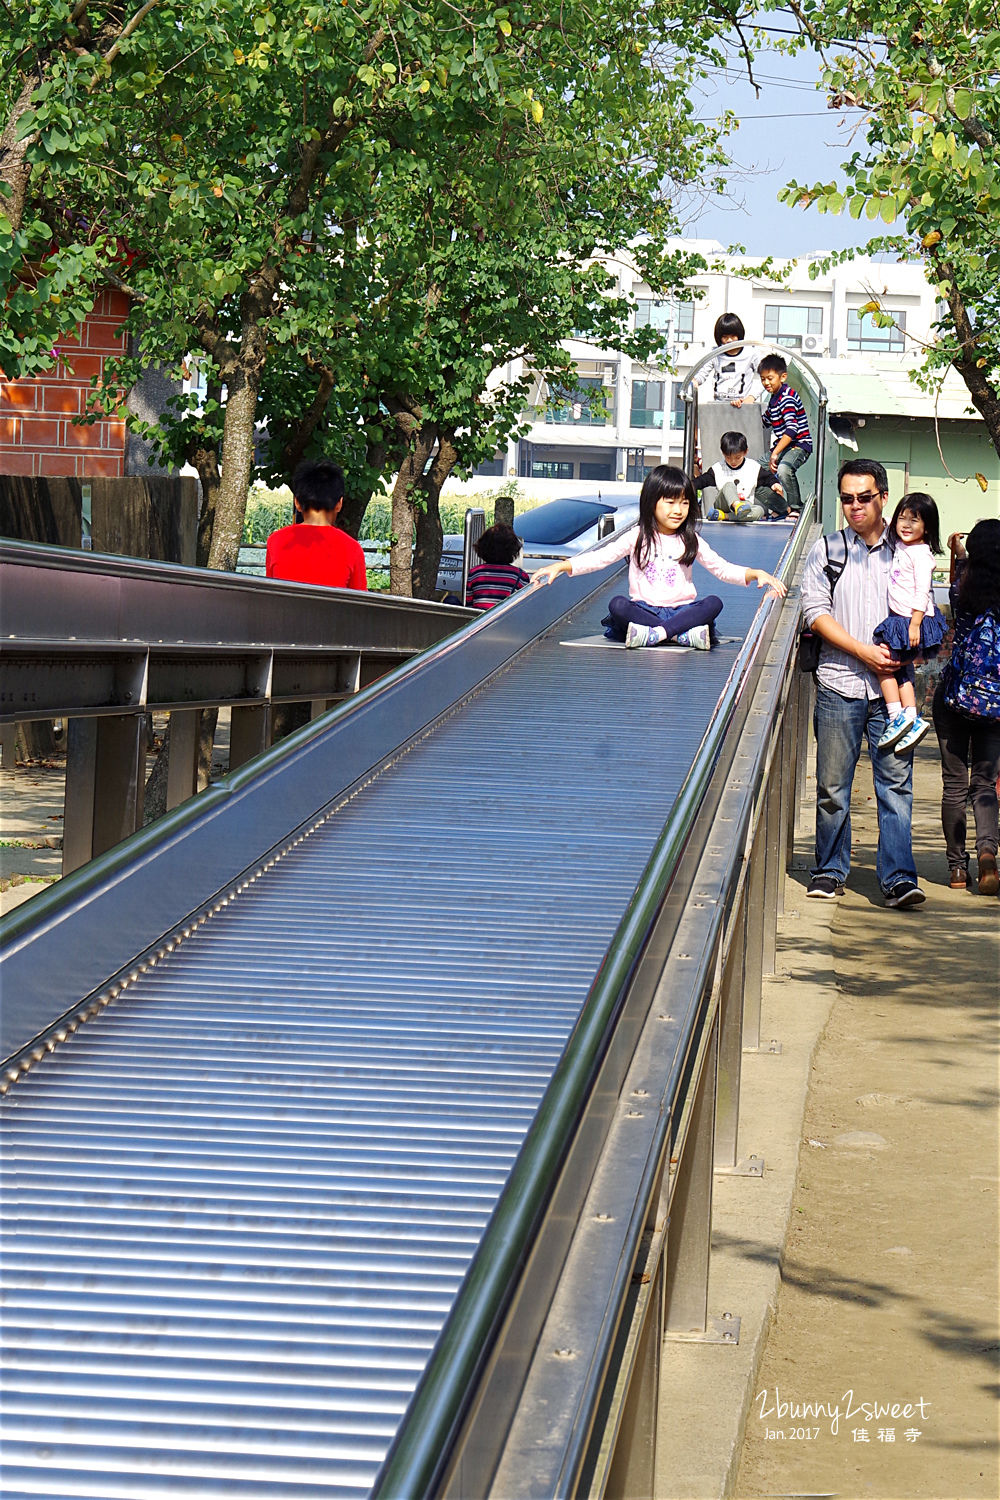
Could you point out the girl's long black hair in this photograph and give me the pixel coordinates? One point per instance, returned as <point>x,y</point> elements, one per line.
<point>979,589</point>
<point>665,483</point>
<point>922,506</point>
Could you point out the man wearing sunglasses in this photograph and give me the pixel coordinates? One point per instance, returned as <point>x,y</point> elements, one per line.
<point>849,704</point>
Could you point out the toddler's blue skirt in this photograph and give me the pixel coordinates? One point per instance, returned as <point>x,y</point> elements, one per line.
<point>894,632</point>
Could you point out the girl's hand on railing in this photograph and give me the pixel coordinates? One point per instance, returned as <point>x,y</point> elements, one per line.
<point>546,575</point>
<point>767,581</point>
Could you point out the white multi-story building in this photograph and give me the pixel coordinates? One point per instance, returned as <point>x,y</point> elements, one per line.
<point>622,417</point>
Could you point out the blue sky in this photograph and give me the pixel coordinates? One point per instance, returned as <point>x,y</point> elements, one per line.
<point>787,133</point>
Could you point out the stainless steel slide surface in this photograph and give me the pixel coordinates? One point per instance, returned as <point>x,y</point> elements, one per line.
<point>241,1198</point>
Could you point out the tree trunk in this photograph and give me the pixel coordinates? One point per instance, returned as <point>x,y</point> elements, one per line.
<point>14,169</point>
<point>237,448</point>
<point>420,441</point>
<point>503,510</point>
<point>401,545</point>
<point>983,393</point>
<point>430,533</point>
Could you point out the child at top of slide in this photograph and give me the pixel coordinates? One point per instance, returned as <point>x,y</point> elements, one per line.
<point>731,373</point>
<point>662,603</point>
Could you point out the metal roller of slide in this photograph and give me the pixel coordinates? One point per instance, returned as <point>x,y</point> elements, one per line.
<point>247,1173</point>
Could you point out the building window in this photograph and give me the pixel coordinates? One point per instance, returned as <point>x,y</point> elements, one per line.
<point>647,403</point>
<point>790,325</point>
<point>587,403</point>
<point>676,319</point>
<point>676,407</point>
<point>865,337</point>
<point>595,471</point>
<point>638,464</point>
<point>490,468</point>
<point>548,469</point>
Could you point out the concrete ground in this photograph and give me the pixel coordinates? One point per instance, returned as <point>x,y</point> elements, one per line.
<point>32,793</point>
<point>31,815</point>
<point>865,1263</point>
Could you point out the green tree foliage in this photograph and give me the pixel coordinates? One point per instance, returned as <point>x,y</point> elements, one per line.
<point>925,76</point>
<point>351,212</point>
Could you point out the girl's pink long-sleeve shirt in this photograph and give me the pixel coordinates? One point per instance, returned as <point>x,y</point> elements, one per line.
<point>911,579</point>
<point>665,581</point>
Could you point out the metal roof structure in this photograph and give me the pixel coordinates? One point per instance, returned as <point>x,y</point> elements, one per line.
<point>861,387</point>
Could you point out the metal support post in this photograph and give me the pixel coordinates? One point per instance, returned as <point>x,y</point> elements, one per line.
<point>105,762</point>
<point>804,749</point>
<point>633,1465</point>
<point>755,937</point>
<point>249,733</point>
<point>727,1107</point>
<point>8,743</point>
<point>78,809</point>
<point>786,782</point>
<point>689,1231</point>
<point>120,786</point>
<point>182,755</point>
<point>794,756</point>
<point>775,865</point>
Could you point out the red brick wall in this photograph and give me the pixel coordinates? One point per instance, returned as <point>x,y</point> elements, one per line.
<point>37,434</point>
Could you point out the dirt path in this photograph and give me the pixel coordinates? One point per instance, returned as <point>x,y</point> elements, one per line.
<point>890,1273</point>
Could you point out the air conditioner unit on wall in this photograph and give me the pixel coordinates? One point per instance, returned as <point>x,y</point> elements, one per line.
<point>812,344</point>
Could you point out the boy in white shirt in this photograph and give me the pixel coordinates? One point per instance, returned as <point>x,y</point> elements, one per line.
<point>739,488</point>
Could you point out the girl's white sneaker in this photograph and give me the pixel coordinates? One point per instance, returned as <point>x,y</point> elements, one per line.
<point>699,638</point>
<point>637,635</point>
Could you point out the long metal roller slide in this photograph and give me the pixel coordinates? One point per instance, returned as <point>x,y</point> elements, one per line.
<point>241,1197</point>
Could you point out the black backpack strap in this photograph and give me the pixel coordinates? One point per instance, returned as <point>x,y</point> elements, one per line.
<point>836,560</point>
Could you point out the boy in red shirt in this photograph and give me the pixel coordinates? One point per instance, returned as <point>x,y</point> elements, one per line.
<point>316,550</point>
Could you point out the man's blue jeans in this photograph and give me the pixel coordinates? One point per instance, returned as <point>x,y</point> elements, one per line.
<point>841,724</point>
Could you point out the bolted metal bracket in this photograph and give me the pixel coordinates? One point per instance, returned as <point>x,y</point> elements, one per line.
<point>773,1047</point>
<point>750,1166</point>
<point>722,1330</point>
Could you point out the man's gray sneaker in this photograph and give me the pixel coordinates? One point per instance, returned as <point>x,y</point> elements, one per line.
<point>825,887</point>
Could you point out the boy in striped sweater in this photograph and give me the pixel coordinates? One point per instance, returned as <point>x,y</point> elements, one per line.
<point>786,417</point>
<point>496,577</point>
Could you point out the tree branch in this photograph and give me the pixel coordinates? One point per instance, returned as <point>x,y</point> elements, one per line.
<point>295,447</point>
<point>123,286</point>
<point>748,57</point>
<point>127,31</point>
<point>972,127</point>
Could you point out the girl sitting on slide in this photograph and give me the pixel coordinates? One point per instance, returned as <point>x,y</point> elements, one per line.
<point>662,603</point>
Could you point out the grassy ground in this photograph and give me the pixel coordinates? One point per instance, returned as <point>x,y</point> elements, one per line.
<point>269,509</point>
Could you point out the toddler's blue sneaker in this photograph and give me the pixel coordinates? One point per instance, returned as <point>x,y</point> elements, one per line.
<point>914,734</point>
<point>894,730</point>
<point>713,515</point>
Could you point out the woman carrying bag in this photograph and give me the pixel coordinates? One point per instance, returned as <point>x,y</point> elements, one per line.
<point>967,710</point>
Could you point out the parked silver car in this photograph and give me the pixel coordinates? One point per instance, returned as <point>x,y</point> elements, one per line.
<point>559,528</point>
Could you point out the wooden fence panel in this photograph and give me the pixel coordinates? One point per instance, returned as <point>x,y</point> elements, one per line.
<point>33,509</point>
